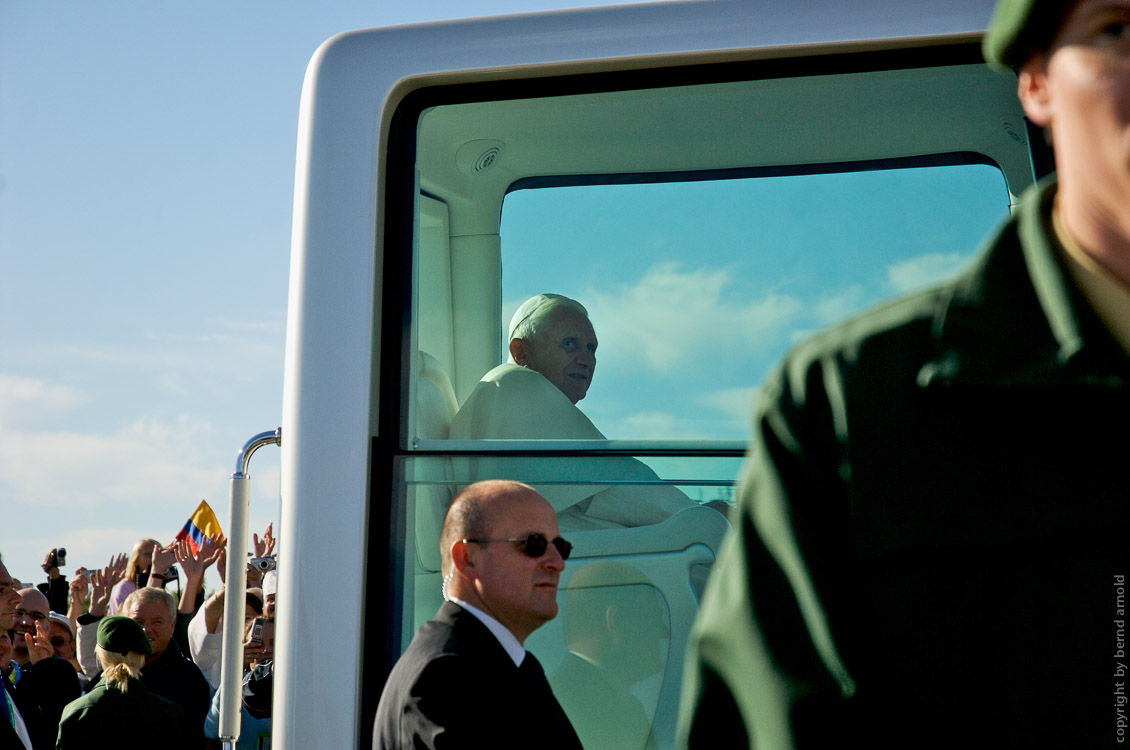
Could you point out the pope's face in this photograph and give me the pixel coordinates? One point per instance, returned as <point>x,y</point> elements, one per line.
<point>564,351</point>
<point>1085,100</point>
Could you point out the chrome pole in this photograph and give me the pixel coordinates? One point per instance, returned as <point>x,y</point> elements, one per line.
<point>231,660</point>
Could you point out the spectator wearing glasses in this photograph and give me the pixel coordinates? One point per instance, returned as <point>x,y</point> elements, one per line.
<point>32,612</point>
<point>466,680</point>
<point>61,632</point>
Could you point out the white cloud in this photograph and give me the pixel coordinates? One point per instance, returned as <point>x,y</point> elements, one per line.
<point>23,399</point>
<point>731,401</point>
<point>142,462</point>
<point>653,425</point>
<point>924,270</point>
<point>671,317</point>
<point>835,306</point>
<point>239,351</point>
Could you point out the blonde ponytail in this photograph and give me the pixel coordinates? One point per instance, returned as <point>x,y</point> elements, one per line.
<point>119,669</point>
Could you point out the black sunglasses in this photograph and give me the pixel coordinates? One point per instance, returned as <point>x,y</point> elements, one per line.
<point>533,545</point>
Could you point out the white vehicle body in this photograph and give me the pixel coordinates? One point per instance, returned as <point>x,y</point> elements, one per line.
<point>679,71</point>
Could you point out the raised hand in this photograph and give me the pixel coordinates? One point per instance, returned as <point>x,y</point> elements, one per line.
<point>191,564</point>
<point>117,568</point>
<point>101,583</point>
<point>163,559</point>
<point>78,588</point>
<point>264,547</point>
<point>39,645</point>
<point>222,563</point>
<point>206,557</point>
<point>194,566</point>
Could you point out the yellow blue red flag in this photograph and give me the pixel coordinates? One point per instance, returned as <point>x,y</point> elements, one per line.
<point>201,525</point>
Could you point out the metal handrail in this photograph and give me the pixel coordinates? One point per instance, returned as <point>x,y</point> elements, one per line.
<point>235,575</point>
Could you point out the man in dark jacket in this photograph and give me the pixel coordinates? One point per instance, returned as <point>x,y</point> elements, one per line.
<point>31,706</point>
<point>466,680</point>
<point>931,533</point>
<point>168,672</point>
<point>57,590</point>
<point>120,713</point>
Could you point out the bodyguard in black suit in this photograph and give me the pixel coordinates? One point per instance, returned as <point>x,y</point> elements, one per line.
<point>466,680</point>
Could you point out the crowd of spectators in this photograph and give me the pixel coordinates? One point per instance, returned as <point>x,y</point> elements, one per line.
<point>80,658</point>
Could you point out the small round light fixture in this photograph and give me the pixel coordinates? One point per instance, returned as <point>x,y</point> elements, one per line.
<point>1014,132</point>
<point>474,157</point>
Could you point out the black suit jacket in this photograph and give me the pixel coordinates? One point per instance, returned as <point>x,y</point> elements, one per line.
<point>456,687</point>
<point>44,690</point>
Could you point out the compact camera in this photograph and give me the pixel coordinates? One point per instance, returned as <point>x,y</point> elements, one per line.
<point>57,558</point>
<point>262,563</point>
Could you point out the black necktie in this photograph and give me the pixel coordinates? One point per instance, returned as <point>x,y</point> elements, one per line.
<point>530,664</point>
<point>532,673</point>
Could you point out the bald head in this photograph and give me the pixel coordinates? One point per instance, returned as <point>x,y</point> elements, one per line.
<point>34,604</point>
<point>468,516</point>
<point>499,554</point>
<point>32,610</point>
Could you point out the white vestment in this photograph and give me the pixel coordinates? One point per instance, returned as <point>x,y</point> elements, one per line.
<point>515,403</point>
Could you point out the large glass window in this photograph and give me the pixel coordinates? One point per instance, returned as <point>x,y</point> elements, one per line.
<point>696,288</point>
<point>706,228</point>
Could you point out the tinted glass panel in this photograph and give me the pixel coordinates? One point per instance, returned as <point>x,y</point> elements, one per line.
<point>696,288</point>
<point>707,228</point>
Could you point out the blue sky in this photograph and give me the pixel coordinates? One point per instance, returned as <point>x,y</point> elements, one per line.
<point>146,178</point>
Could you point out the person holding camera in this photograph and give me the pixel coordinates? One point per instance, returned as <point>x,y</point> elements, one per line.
<point>57,590</point>
<point>258,679</point>
<point>205,630</point>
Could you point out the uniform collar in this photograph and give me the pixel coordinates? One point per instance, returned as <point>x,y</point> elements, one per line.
<point>1015,317</point>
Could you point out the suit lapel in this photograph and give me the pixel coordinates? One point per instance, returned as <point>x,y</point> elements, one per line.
<point>533,709</point>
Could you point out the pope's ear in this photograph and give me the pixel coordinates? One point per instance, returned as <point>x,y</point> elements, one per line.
<point>518,351</point>
<point>1032,90</point>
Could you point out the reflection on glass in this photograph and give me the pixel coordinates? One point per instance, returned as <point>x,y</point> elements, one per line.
<point>617,639</point>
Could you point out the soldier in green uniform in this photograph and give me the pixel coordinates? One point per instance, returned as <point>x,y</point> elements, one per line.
<point>932,526</point>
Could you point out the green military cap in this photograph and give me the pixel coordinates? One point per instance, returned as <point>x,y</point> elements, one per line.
<point>122,635</point>
<point>1022,28</point>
